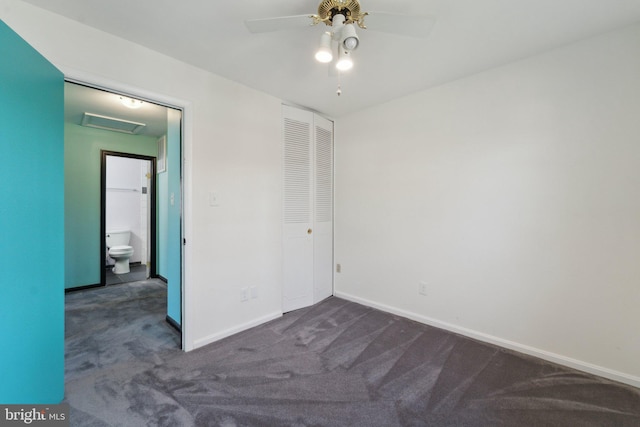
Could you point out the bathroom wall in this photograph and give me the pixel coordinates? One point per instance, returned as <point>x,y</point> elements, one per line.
<point>82,158</point>
<point>144,179</point>
<point>124,202</point>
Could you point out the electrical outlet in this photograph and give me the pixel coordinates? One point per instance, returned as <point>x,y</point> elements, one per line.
<point>214,199</point>
<point>254,292</point>
<point>244,294</point>
<point>422,288</point>
<point>338,268</point>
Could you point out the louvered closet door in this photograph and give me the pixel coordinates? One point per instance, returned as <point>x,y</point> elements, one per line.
<point>323,209</point>
<point>308,208</point>
<point>298,209</point>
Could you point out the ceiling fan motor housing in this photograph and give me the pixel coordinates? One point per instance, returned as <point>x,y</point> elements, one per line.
<point>349,8</point>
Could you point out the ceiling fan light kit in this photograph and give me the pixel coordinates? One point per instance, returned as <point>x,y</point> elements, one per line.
<point>324,54</point>
<point>342,16</point>
<point>350,9</point>
<point>346,38</point>
<point>349,38</point>
<point>345,63</point>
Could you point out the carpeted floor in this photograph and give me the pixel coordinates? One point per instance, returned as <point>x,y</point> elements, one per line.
<point>136,273</point>
<point>334,364</point>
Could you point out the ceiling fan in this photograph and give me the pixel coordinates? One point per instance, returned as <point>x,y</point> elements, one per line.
<point>342,16</point>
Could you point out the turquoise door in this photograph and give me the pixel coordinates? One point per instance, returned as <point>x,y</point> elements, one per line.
<point>169,256</point>
<point>174,233</point>
<point>31,225</point>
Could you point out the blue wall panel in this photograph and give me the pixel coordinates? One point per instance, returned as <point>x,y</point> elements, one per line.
<point>31,225</point>
<point>174,243</point>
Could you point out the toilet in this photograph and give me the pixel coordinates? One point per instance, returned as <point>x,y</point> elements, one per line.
<point>119,250</point>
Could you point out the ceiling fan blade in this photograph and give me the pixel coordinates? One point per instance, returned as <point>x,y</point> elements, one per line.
<point>404,25</point>
<point>279,24</point>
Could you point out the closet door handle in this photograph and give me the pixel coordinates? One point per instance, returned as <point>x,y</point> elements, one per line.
<point>309,231</point>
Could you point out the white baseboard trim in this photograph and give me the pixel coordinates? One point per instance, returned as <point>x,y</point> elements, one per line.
<point>532,351</point>
<point>232,331</point>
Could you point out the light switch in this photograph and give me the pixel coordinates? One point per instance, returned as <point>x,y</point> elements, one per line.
<point>172,199</point>
<point>214,199</point>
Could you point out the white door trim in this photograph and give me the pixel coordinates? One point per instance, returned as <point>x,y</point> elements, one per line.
<point>100,82</point>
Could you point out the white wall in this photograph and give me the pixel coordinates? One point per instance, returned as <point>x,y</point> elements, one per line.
<point>145,206</point>
<point>232,146</point>
<point>515,195</point>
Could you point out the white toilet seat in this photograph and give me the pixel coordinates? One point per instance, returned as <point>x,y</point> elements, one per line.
<point>116,251</point>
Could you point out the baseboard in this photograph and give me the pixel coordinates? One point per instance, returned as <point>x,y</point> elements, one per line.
<point>532,351</point>
<point>232,331</point>
<point>173,323</point>
<point>83,288</point>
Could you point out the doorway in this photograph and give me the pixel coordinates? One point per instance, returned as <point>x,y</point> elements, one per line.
<point>101,124</point>
<point>128,209</point>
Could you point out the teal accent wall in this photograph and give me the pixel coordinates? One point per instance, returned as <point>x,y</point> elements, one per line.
<point>82,147</point>
<point>174,235</point>
<point>31,225</point>
<point>162,231</point>
<point>169,239</point>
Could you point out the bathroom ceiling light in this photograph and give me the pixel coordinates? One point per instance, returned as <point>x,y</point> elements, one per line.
<point>130,102</point>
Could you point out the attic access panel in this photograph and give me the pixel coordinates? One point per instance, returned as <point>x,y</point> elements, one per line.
<point>111,123</point>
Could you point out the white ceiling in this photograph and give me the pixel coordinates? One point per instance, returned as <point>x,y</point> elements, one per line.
<point>469,36</point>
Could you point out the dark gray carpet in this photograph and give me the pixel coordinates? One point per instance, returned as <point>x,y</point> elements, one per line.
<point>335,364</point>
<point>137,273</point>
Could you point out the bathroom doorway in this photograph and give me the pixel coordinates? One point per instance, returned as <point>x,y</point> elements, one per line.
<point>100,122</point>
<point>128,217</point>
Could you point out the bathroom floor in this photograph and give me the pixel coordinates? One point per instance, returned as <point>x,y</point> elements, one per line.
<point>138,272</point>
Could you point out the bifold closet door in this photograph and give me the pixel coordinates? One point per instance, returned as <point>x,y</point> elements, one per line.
<point>323,209</point>
<point>308,208</point>
<point>298,209</point>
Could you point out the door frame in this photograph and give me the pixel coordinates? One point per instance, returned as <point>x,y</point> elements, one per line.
<point>73,75</point>
<point>151,240</point>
